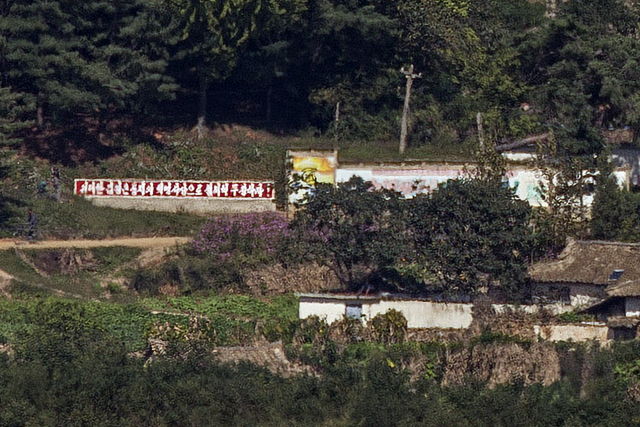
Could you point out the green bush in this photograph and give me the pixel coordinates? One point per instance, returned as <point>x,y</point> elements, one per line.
<point>389,327</point>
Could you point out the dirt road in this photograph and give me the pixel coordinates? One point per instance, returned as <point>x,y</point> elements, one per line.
<point>144,242</point>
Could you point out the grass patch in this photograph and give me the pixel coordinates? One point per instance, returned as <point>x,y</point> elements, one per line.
<point>13,264</point>
<point>111,258</point>
<point>233,320</point>
<point>83,219</point>
<point>128,323</point>
<point>78,218</point>
<point>74,273</point>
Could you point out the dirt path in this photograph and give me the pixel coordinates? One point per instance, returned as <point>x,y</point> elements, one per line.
<point>144,242</point>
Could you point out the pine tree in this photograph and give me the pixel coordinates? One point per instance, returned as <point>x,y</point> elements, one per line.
<point>213,35</point>
<point>12,113</point>
<point>89,57</point>
<point>212,32</point>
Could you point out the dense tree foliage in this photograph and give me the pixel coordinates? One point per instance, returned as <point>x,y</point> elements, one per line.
<point>473,233</point>
<point>91,58</point>
<point>67,370</point>
<point>464,235</point>
<point>354,229</point>
<point>331,64</point>
<point>616,212</point>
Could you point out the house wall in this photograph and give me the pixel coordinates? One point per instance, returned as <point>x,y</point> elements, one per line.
<point>554,308</point>
<point>572,332</point>
<point>419,314</point>
<point>586,295</point>
<point>441,315</point>
<point>554,295</point>
<point>632,306</point>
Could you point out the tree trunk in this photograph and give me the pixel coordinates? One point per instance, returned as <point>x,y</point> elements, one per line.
<point>202,107</point>
<point>40,112</point>
<point>269,98</point>
<point>522,142</point>
<point>337,119</point>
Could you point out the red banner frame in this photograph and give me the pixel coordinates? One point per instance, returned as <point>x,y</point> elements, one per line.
<point>174,188</point>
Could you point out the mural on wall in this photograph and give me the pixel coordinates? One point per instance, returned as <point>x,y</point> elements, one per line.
<point>408,181</point>
<point>413,182</point>
<point>308,168</point>
<point>526,183</point>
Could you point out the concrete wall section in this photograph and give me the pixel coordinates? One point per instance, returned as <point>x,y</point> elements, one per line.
<point>419,314</point>
<point>407,179</point>
<point>330,311</point>
<point>526,182</point>
<point>344,174</point>
<point>189,205</point>
<point>427,314</point>
<point>423,178</point>
<point>411,178</point>
<point>572,332</point>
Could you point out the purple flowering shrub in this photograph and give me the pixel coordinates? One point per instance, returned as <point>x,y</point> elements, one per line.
<point>254,236</point>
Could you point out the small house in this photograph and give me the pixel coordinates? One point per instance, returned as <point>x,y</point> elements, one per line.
<point>585,272</point>
<point>621,309</point>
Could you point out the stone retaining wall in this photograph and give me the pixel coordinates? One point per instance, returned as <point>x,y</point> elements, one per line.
<point>187,205</point>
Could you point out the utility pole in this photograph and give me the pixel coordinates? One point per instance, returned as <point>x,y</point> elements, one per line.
<point>405,111</point>
<point>480,130</point>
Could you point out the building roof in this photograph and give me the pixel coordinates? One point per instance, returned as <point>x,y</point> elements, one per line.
<point>630,288</point>
<point>338,297</point>
<point>594,263</point>
<point>622,322</point>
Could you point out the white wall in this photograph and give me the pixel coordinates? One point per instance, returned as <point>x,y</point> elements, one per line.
<point>632,306</point>
<point>345,174</point>
<point>186,204</point>
<point>412,180</point>
<point>408,180</point>
<point>572,332</point>
<point>419,314</point>
<point>526,182</point>
<point>331,311</point>
<point>427,314</point>
<point>422,178</point>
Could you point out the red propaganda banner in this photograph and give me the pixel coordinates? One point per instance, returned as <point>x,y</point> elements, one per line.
<point>202,189</point>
